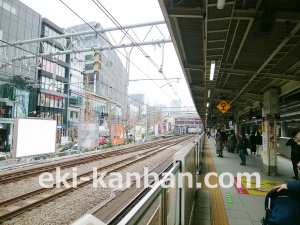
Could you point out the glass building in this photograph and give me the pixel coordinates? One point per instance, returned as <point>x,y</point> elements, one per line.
<point>17,97</point>
<point>100,78</point>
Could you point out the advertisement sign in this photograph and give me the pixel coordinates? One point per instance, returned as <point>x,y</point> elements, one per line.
<point>138,133</point>
<point>156,130</point>
<point>264,135</point>
<point>22,103</point>
<point>88,135</point>
<point>33,136</point>
<point>272,134</point>
<point>162,128</point>
<point>117,134</point>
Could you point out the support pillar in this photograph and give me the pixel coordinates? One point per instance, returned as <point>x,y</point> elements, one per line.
<point>271,108</point>
<point>269,146</point>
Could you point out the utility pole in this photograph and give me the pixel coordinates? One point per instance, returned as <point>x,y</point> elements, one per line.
<point>146,128</point>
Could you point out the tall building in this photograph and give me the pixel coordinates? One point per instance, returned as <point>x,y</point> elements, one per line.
<point>136,99</point>
<point>163,109</point>
<point>17,97</point>
<point>175,107</point>
<point>53,77</point>
<point>104,76</point>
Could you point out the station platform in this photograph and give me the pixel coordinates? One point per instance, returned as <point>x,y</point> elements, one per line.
<point>222,206</point>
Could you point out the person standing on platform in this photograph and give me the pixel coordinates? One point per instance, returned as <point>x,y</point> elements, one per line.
<point>243,144</point>
<point>232,141</point>
<point>295,153</point>
<point>219,144</point>
<point>252,143</point>
<point>258,144</point>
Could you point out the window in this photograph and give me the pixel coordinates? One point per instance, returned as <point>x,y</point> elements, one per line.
<point>56,105</point>
<point>47,66</point>
<point>42,99</point>
<point>89,66</point>
<point>60,102</point>
<point>63,103</point>
<point>6,6</point>
<point>43,82</point>
<point>60,70</point>
<point>47,103</point>
<point>88,57</point>
<point>52,101</point>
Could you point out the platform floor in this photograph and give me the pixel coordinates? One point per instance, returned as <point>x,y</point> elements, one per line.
<point>227,205</point>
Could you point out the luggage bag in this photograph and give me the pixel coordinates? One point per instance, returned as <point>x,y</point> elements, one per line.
<point>282,208</point>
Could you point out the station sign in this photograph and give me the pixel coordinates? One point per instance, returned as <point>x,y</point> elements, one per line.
<point>223,106</point>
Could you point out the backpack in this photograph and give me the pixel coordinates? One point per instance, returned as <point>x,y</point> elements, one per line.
<point>282,208</point>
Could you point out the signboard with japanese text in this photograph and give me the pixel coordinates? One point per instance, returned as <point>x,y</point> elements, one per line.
<point>138,133</point>
<point>117,134</point>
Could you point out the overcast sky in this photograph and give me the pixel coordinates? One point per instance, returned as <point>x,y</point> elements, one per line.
<point>127,13</point>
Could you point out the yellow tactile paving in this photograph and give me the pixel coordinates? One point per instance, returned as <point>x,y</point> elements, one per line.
<point>218,211</point>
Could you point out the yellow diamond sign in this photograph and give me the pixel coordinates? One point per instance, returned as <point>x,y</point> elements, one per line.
<point>223,106</point>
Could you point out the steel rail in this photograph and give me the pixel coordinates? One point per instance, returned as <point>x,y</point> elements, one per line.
<point>10,177</point>
<point>71,189</point>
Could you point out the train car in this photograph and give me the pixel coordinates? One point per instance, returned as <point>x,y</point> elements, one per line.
<point>194,130</point>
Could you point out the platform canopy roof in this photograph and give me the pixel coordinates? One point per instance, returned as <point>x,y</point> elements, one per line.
<point>255,45</point>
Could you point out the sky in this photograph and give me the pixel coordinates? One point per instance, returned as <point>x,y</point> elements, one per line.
<point>127,13</point>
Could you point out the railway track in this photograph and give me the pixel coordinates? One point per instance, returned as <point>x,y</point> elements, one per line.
<point>12,177</point>
<point>41,196</point>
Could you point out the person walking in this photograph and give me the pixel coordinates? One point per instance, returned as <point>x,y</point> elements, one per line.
<point>219,144</point>
<point>258,144</point>
<point>243,144</point>
<point>232,141</point>
<point>253,143</point>
<point>295,153</point>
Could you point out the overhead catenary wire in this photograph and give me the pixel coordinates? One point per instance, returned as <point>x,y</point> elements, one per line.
<point>81,94</point>
<point>120,51</point>
<point>38,55</point>
<point>108,14</point>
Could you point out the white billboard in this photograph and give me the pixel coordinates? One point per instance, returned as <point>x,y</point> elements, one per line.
<point>155,130</point>
<point>88,135</point>
<point>138,133</point>
<point>33,136</point>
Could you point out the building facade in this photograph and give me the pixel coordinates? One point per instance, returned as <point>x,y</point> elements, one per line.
<point>53,78</point>
<point>100,79</point>
<point>17,97</point>
<point>175,107</point>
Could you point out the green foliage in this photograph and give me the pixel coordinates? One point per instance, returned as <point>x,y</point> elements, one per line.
<point>110,145</point>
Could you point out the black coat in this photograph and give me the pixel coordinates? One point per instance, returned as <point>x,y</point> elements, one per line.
<point>259,140</point>
<point>295,154</point>
<point>243,143</point>
<point>252,139</point>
